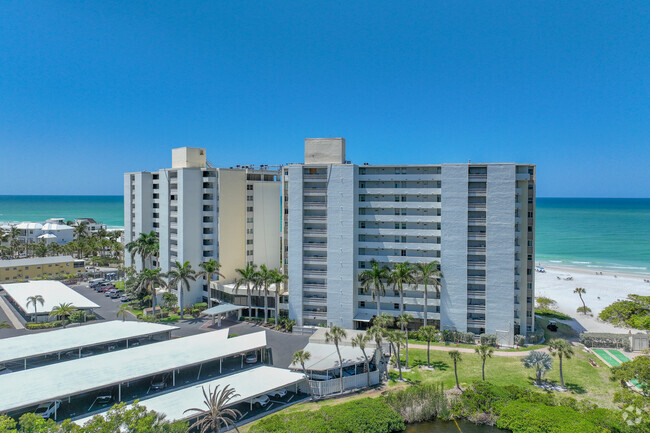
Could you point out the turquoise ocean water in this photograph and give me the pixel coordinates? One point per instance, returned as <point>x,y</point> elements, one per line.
<point>594,233</point>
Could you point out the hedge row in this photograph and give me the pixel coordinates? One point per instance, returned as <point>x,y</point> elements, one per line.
<point>359,416</point>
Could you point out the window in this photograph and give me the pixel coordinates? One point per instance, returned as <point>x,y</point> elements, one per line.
<point>250,198</point>
<point>362,197</point>
<point>530,243</point>
<point>362,265</point>
<point>362,224</point>
<point>397,170</point>
<point>396,306</point>
<point>403,198</point>
<point>249,242</point>
<point>530,214</point>
<point>362,184</point>
<point>396,198</point>
<point>249,187</point>
<point>156,215</point>
<point>403,253</point>
<point>403,226</point>
<point>530,200</point>
<point>398,184</point>
<point>249,231</point>
<point>155,196</point>
<point>249,253</point>
<point>530,257</point>
<point>249,209</point>
<point>249,219</point>
<point>530,229</point>
<point>397,226</point>
<point>362,171</point>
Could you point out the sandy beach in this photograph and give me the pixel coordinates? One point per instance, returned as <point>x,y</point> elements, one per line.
<point>602,290</point>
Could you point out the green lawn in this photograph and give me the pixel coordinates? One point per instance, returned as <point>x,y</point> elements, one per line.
<point>583,380</point>
<point>472,346</point>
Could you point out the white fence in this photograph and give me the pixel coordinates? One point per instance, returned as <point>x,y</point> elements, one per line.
<point>320,388</point>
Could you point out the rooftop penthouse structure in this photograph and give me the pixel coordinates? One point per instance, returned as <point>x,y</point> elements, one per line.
<point>476,220</point>
<point>201,212</point>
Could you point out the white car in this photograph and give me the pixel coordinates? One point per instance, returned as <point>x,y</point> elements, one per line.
<point>277,393</point>
<point>47,410</point>
<point>261,401</point>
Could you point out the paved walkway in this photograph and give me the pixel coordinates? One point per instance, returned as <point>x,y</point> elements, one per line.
<point>6,308</point>
<point>449,348</point>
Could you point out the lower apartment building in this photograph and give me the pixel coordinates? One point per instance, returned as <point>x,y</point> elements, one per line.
<point>476,220</point>
<point>200,212</point>
<point>16,270</point>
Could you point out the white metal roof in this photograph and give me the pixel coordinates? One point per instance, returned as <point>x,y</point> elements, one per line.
<point>47,236</point>
<point>222,308</point>
<point>324,357</point>
<point>36,261</point>
<point>29,226</point>
<point>248,384</point>
<point>57,381</point>
<point>62,340</point>
<point>53,293</point>
<point>56,227</point>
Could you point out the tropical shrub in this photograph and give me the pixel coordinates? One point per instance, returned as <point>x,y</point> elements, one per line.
<point>489,339</point>
<point>633,312</point>
<point>594,339</point>
<point>45,325</point>
<point>522,417</point>
<point>422,402</point>
<point>366,415</point>
<point>458,336</point>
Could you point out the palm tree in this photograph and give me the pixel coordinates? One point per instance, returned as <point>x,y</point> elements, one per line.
<point>430,333</point>
<point>80,231</point>
<point>428,273</point>
<point>123,311</point>
<point>146,246</point>
<point>377,333</point>
<point>396,338</point>
<point>208,270</point>
<point>147,282</point>
<point>35,299</point>
<point>216,415</point>
<point>279,279</point>
<point>181,274</point>
<point>403,322</point>
<point>300,357</point>
<point>63,310</point>
<point>263,280</point>
<point>580,291</point>
<point>485,352</point>
<point>335,335</point>
<point>247,276</point>
<point>540,361</point>
<point>562,349</point>
<point>361,340</point>
<point>384,321</point>
<point>403,273</point>
<point>373,280</point>
<point>456,357</point>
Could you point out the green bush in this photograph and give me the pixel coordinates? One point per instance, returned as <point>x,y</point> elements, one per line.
<point>358,416</point>
<point>546,312</point>
<point>522,417</point>
<point>462,337</point>
<point>44,325</point>
<point>489,339</point>
<point>201,306</point>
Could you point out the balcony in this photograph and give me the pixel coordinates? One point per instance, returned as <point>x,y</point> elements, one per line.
<point>476,264</point>
<point>476,308</point>
<point>477,221</point>
<point>386,204</point>
<point>386,177</point>
<point>314,314</point>
<point>314,233</point>
<point>312,287</point>
<point>476,206</point>
<point>309,273</point>
<point>400,191</point>
<point>314,260</point>
<point>314,205</point>
<point>475,279</point>
<point>523,176</point>
<point>480,294</point>
<point>477,176</point>
<point>401,218</point>
<point>315,219</point>
<point>397,259</point>
<point>422,246</point>
<point>314,300</point>
<point>400,232</point>
<point>476,235</point>
<point>474,192</point>
<point>314,191</point>
<point>476,250</point>
<point>320,177</point>
<point>314,245</point>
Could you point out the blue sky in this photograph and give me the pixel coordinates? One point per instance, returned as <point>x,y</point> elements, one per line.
<point>89,90</point>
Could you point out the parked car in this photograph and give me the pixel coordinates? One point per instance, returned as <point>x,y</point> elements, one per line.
<point>261,401</point>
<point>109,292</point>
<point>251,358</point>
<point>125,297</point>
<point>47,410</point>
<point>158,383</point>
<point>552,326</point>
<point>96,282</point>
<point>277,393</point>
<point>106,288</point>
<point>115,294</point>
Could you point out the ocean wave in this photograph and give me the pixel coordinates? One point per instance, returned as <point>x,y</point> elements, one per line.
<point>640,268</point>
<point>555,261</point>
<point>582,263</point>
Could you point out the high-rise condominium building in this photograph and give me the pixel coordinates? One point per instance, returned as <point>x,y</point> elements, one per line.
<point>476,220</point>
<point>231,215</point>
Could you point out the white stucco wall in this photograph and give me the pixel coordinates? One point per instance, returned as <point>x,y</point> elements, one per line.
<point>341,243</point>
<point>500,249</point>
<point>453,295</point>
<point>266,224</point>
<point>295,243</point>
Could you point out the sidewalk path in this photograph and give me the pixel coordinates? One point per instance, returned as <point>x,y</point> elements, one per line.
<point>465,350</point>
<point>15,321</point>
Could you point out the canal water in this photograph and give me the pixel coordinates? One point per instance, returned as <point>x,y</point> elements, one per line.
<point>440,426</point>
